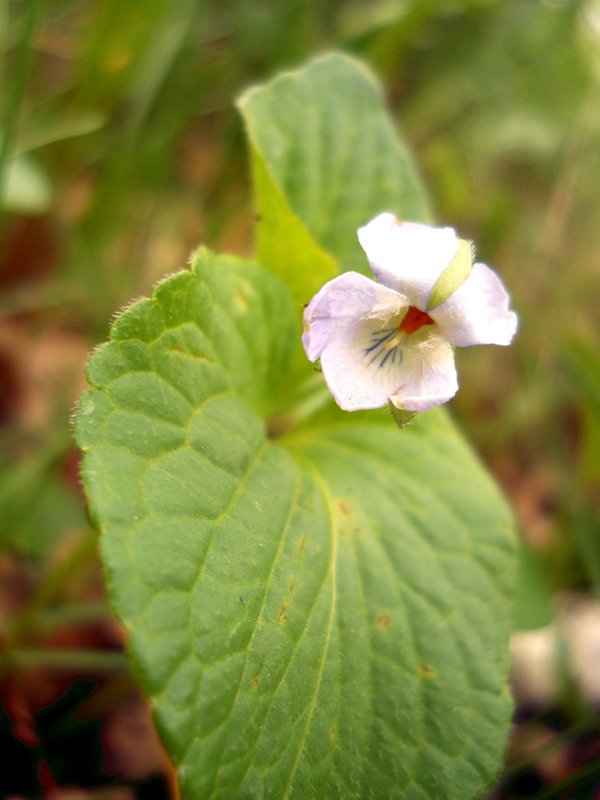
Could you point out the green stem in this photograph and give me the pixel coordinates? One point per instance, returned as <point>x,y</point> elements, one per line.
<point>27,619</point>
<point>15,96</point>
<point>50,618</point>
<point>71,660</point>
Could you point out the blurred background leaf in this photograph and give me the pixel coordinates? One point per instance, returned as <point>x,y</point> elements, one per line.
<point>124,112</point>
<point>27,187</point>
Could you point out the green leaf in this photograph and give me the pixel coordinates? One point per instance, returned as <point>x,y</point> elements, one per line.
<point>49,132</point>
<point>319,616</point>
<point>284,243</point>
<point>326,159</point>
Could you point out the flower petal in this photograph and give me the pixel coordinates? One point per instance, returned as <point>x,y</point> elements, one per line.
<point>336,309</point>
<point>407,256</point>
<point>477,312</point>
<point>370,365</point>
<point>428,374</point>
<point>360,371</point>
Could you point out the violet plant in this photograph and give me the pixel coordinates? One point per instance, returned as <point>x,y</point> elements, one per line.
<point>317,601</point>
<point>391,340</point>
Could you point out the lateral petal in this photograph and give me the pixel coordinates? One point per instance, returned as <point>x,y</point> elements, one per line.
<point>477,312</point>
<point>340,304</point>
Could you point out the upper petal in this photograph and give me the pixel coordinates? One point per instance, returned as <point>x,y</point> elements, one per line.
<point>340,304</point>
<point>477,312</point>
<point>407,256</point>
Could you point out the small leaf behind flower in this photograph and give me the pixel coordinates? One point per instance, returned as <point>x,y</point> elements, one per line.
<point>326,159</point>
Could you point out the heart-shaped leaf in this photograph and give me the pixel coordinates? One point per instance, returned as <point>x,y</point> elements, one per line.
<point>320,616</point>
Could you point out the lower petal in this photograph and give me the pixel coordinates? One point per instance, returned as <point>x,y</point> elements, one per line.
<point>477,312</point>
<point>428,376</point>
<point>376,364</point>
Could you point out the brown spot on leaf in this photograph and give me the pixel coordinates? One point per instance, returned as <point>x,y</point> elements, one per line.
<point>383,621</point>
<point>241,300</point>
<point>284,607</point>
<point>255,681</point>
<point>344,508</point>
<point>301,546</point>
<point>426,671</point>
<point>283,612</point>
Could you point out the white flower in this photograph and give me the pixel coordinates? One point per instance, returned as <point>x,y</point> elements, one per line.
<point>392,339</point>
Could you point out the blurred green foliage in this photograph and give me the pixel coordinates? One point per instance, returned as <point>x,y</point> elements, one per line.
<point>122,151</point>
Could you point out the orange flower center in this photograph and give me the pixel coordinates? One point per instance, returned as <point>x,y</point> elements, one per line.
<point>413,320</point>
